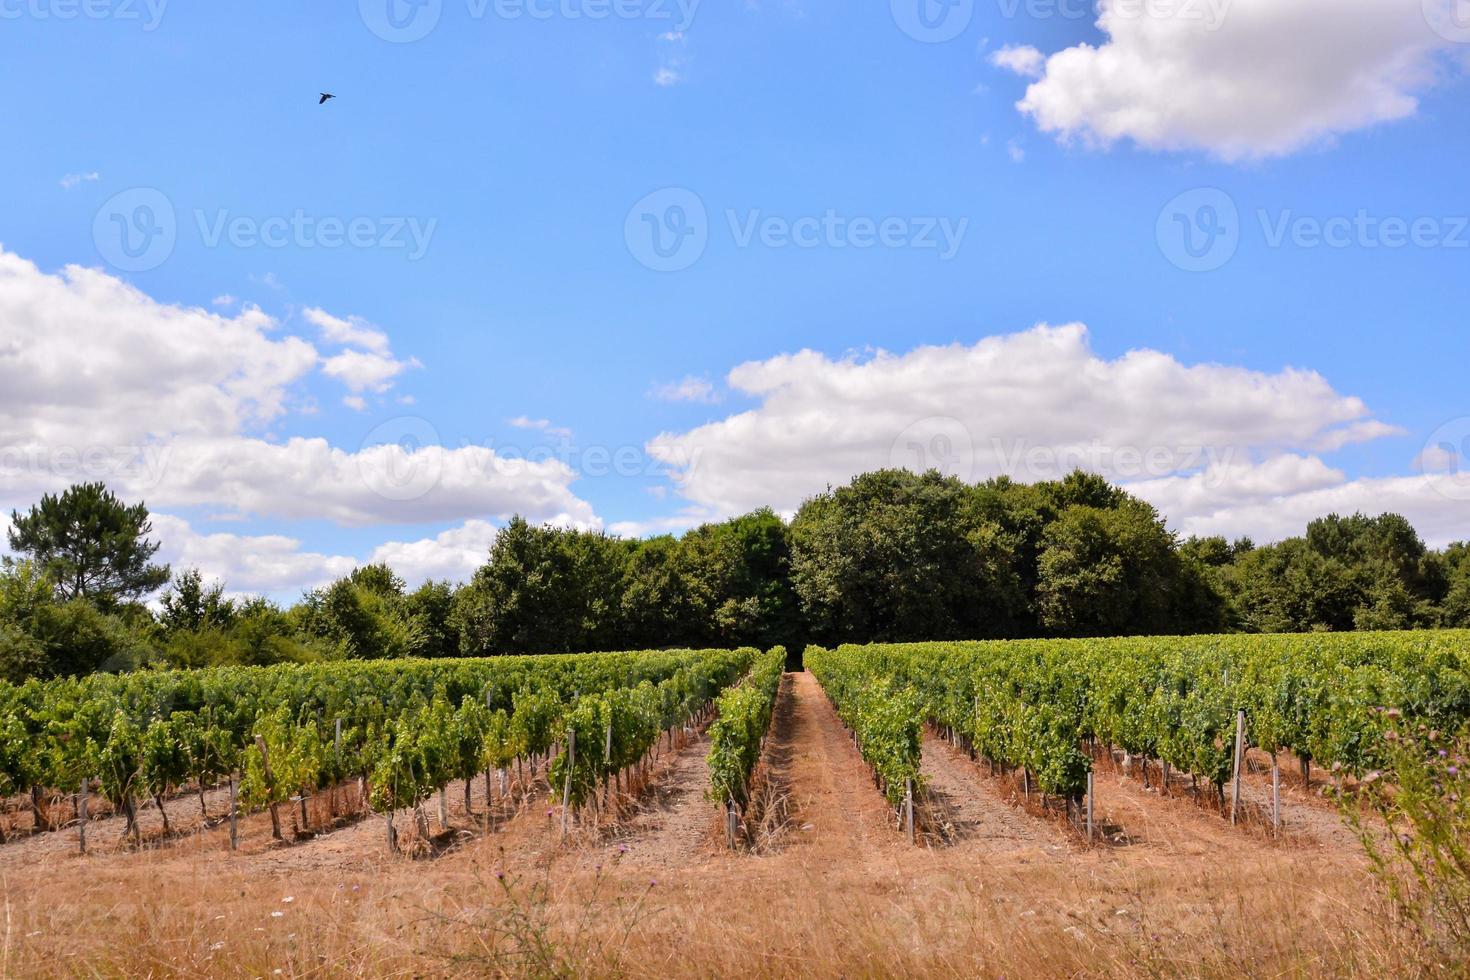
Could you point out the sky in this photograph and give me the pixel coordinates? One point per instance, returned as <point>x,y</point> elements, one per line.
<point>639,264</point>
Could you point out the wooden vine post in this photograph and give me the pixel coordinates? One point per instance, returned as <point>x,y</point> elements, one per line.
<point>607,775</point>
<point>908,807</point>
<point>234,817</point>
<point>732,823</point>
<point>566,789</point>
<point>270,784</point>
<point>1089,806</point>
<point>82,817</point>
<point>1239,765</point>
<point>1275,796</point>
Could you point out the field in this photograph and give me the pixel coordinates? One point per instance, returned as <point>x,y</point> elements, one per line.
<point>825,882</point>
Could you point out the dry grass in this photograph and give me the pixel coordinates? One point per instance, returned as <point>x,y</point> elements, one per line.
<point>1007,894</point>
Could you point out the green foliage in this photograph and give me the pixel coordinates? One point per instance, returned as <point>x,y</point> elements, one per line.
<point>190,606</point>
<point>1110,572</point>
<point>1033,703</point>
<point>364,616</point>
<point>544,590</point>
<point>1345,573</point>
<point>90,544</point>
<point>743,714</point>
<point>549,590</point>
<point>615,728</point>
<point>1423,858</point>
<point>896,556</point>
<point>152,730</point>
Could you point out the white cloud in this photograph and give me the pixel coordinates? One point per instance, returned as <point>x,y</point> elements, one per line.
<point>86,359</point>
<point>540,425</point>
<point>355,402</point>
<point>261,563</point>
<point>368,363</point>
<point>453,555</point>
<point>1033,405</point>
<point>1022,59</point>
<point>274,564</point>
<point>171,404</point>
<point>1237,78</point>
<point>691,389</point>
<point>666,77</point>
<point>224,299</point>
<point>75,180</point>
<point>352,331</point>
<point>1016,152</point>
<point>1267,516</point>
<point>388,482</point>
<point>366,370</point>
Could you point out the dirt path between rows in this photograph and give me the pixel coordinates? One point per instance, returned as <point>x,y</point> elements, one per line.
<point>972,812</point>
<point>675,824</point>
<point>840,814</point>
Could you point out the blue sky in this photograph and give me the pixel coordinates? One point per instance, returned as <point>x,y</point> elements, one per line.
<point>518,149</point>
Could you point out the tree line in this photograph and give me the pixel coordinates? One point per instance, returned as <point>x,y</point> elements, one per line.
<point>891,556</point>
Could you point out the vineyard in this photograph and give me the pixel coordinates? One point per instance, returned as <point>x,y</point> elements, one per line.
<point>398,730</point>
<point>1195,705</point>
<point>946,763</point>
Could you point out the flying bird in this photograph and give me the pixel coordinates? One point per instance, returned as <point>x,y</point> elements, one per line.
<point>325,97</point>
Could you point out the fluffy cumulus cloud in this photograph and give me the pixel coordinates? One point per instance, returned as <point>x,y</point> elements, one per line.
<point>1217,448</point>
<point>274,564</point>
<point>1236,78</point>
<point>175,405</point>
<point>86,359</point>
<point>351,331</point>
<point>1203,504</point>
<point>367,364</point>
<point>453,555</point>
<point>257,564</point>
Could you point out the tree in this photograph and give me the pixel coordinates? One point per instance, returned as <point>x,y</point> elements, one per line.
<point>41,636</point>
<point>736,581</point>
<point>364,616</point>
<point>897,556</point>
<point>1345,573</point>
<point>92,545</point>
<point>544,590</point>
<point>431,605</point>
<point>190,606</point>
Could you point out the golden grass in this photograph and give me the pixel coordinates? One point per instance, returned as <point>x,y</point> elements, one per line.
<point>796,914</point>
